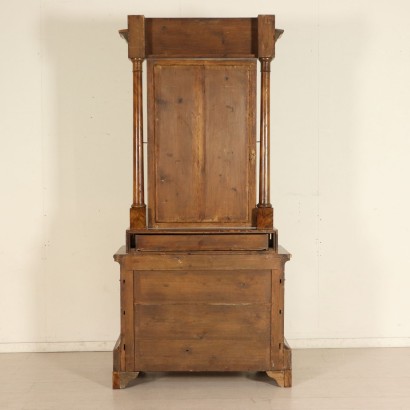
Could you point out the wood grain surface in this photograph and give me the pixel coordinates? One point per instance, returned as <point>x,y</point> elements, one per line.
<point>201,142</point>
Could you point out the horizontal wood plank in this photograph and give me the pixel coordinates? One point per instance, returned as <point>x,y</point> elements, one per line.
<point>202,355</point>
<point>235,260</point>
<point>205,37</point>
<point>202,37</point>
<point>202,321</point>
<point>201,242</point>
<point>202,286</point>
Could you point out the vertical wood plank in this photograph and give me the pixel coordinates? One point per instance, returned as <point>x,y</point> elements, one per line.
<point>178,104</point>
<point>228,181</point>
<point>127,320</point>
<point>277,322</point>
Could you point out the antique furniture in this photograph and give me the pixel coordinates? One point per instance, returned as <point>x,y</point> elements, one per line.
<point>202,276</point>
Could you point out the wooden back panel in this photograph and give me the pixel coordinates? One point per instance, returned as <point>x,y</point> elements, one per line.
<point>201,37</point>
<point>172,42</point>
<point>201,139</point>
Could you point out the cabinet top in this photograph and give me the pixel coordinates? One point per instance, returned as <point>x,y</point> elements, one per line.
<point>250,37</point>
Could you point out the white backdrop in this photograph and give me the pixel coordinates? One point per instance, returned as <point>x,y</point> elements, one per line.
<point>340,167</point>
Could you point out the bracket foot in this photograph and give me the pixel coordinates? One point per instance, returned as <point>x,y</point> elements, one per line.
<point>120,380</point>
<point>283,378</point>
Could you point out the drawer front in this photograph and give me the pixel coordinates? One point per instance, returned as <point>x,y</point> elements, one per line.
<point>225,286</point>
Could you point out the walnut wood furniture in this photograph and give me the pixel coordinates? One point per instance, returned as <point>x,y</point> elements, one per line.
<point>202,275</point>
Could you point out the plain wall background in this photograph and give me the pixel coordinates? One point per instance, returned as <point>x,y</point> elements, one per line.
<point>340,167</point>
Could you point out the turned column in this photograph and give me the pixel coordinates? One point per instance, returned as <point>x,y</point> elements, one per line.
<point>266,50</point>
<point>138,208</point>
<point>264,164</point>
<point>136,53</point>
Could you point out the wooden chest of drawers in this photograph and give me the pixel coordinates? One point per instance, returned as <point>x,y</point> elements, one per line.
<point>203,311</point>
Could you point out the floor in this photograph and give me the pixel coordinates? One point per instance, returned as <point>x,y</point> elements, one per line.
<point>322,379</point>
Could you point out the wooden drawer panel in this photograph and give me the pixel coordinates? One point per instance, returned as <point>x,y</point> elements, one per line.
<point>198,242</point>
<point>203,321</point>
<point>202,355</point>
<point>237,261</point>
<point>226,286</point>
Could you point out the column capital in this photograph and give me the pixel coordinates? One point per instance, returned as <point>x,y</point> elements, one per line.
<point>265,64</point>
<point>136,63</point>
